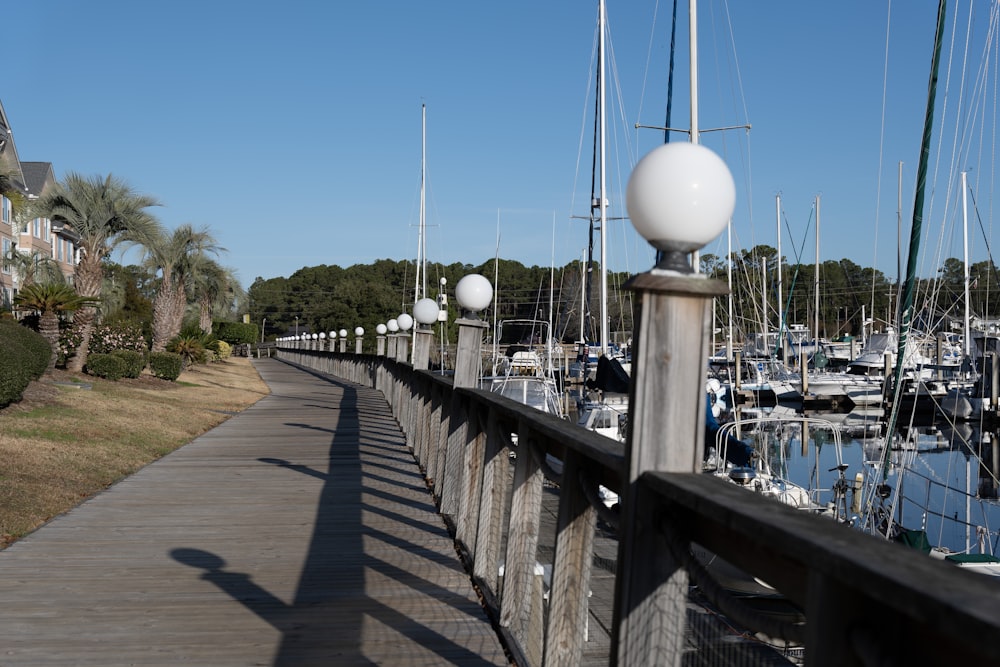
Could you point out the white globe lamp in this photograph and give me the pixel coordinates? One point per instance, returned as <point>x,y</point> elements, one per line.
<point>333,335</point>
<point>380,329</point>
<point>679,197</point>
<point>359,331</point>
<point>343,333</point>
<point>322,335</point>
<point>425,311</point>
<point>473,293</point>
<point>392,325</point>
<point>405,322</point>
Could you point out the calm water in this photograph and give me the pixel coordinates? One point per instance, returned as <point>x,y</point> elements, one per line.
<point>938,478</point>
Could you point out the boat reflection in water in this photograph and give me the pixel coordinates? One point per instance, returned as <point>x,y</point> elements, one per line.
<point>933,487</point>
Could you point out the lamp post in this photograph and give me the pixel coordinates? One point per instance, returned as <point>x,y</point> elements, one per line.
<point>333,341</point>
<point>322,341</point>
<point>359,333</point>
<point>473,293</point>
<point>380,331</point>
<point>315,341</point>
<point>425,312</point>
<point>442,316</point>
<point>343,339</point>
<point>393,327</point>
<point>680,196</point>
<point>405,323</point>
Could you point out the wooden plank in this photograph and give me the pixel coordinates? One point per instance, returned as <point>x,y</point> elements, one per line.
<point>298,532</point>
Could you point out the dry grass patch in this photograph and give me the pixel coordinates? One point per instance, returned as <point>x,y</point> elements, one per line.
<point>62,444</point>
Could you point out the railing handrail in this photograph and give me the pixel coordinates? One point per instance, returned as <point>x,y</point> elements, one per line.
<point>864,599</point>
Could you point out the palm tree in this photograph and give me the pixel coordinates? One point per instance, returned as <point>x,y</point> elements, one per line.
<point>32,267</point>
<point>215,288</point>
<point>48,300</point>
<point>178,257</point>
<point>104,212</point>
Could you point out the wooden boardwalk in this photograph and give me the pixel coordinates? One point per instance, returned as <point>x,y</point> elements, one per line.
<point>299,532</point>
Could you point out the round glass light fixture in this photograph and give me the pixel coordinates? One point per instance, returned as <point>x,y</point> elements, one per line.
<point>333,335</point>
<point>380,329</point>
<point>343,333</point>
<point>473,292</point>
<point>679,197</point>
<point>405,322</point>
<point>315,337</point>
<point>322,335</point>
<point>425,311</point>
<point>359,331</point>
<point>392,325</point>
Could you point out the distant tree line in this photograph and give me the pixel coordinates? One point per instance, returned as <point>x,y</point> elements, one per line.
<point>848,294</point>
<point>329,298</point>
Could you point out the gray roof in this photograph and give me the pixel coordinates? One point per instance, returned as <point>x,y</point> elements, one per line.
<point>37,176</point>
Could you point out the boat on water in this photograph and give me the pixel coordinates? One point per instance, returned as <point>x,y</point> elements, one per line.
<point>526,372</point>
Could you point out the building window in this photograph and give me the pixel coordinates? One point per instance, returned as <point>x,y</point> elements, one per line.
<point>48,229</point>
<point>6,208</point>
<point>6,252</point>
<point>37,223</point>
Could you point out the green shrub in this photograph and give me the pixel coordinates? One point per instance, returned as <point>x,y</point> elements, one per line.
<point>106,366</point>
<point>166,365</point>
<point>221,350</point>
<point>236,333</point>
<point>35,353</point>
<point>14,375</point>
<point>134,362</point>
<point>190,348</point>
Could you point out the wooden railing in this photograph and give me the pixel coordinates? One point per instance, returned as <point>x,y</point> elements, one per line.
<point>864,601</point>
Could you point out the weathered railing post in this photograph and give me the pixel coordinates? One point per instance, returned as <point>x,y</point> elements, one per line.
<point>393,327</point>
<point>380,331</point>
<point>463,462</point>
<point>679,197</point>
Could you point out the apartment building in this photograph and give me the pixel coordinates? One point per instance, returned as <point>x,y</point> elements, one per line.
<point>34,238</point>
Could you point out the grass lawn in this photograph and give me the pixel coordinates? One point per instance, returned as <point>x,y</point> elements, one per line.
<point>73,435</point>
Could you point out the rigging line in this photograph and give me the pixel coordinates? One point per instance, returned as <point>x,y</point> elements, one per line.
<point>959,122</point>
<point>649,57</point>
<point>945,106</point>
<point>881,152</point>
<point>894,383</point>
<point>986,238</point>
<point>798,267</point>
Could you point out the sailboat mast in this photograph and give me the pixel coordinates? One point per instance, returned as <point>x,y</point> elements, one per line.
<point>693,50</point>
<point>965,248</point>
<point>420,289</point>
<point>816,280</point>
<point>729,281</point>
<point>693,47</point>
<point>602,20</point>
<point>780,304</point>
<point>906,306</point>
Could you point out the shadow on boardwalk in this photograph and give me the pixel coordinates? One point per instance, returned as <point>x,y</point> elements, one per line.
<point>299,532</point>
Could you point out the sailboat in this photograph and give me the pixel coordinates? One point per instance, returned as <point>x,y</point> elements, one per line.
<point>602,407</point>
<point>898,454</point>
<point>525,372</point>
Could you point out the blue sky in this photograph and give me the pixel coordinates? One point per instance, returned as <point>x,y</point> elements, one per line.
<point>293,129</point>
